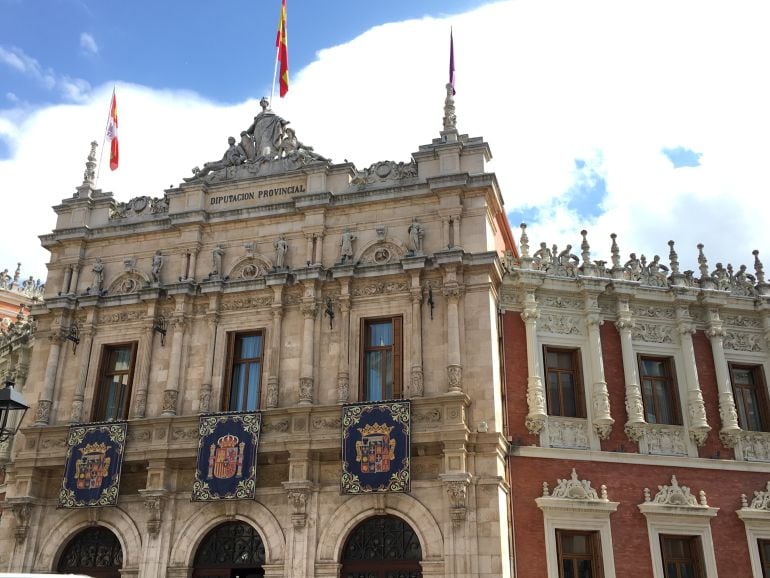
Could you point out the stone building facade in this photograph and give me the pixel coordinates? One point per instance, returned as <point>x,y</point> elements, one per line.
<point>276,248</point>
<point>638,414</point>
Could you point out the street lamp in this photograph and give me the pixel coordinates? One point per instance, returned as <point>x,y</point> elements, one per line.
<point>12,410</point>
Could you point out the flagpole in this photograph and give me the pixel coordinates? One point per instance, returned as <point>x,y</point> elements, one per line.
<point>275,74</point>
<point>104,138</point>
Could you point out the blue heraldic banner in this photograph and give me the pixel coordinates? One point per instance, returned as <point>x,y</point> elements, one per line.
<point>376,447</point>
<point>94,461</point>
<point>227,457</point>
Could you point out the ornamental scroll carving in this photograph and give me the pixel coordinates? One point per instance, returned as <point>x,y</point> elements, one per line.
<point>652,333</point>
<point>381,253</point>
<point>127,283</point>
<point>242,303</point>
<point>381,289</point>
<point>138,206</point>
<point>250,268</point>
<point>665,440</point>
<point>561,324</point>
<point>755,446</point>
<point>567,433</point>
<point>574,489</point>
<point>738,341</point>
<point>384,171</point>
<point>675,495</point>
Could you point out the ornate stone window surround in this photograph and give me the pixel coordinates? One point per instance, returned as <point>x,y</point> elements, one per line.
<point>575,505</point>
<point>744,451</point>
<point>674,510</point>
<point>755,515</point>
<point>393,307</point>
<point>647,445</point>
<point>261,323</point>
<point>554,424</point>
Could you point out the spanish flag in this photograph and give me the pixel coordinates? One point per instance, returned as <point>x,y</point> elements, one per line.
<point>112,132</point>
<point>283,53</point>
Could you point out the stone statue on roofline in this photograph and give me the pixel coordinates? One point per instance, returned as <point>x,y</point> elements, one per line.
<point>268,146</point>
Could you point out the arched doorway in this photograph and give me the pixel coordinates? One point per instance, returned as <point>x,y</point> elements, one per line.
<point>93,552</point>
<point>231,550</point>
<point>382,547</point>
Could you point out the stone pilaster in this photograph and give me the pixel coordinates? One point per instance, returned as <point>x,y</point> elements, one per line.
<point>728,414</point>
<point>600,397</point>
<point>171,393</point>
<point>204,397</point>
<point>343,365</point>
<point>87,340</point>
<point>537,414</point>
<point>43,411</point>
<point>696,408</point>
<point>416,387</point>
<point>309,309</point>
<point>634,405</point>
<point>454,367</point>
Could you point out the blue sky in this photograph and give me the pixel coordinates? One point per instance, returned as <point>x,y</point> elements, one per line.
<point>644,119</point>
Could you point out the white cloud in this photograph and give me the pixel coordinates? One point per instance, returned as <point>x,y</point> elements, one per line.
<point>88,43</point>
<point>73,89</point>
<point>543,82</point>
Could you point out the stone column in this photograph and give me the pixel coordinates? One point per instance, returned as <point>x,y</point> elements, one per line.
<point>600,397</point>
<point>43,411</point>
<point>319,249</point>
<point>204,397</point>
<point>86,345</point>
<point>416,386</point>
<point>535,392</point>
<point>456,231</point>
<point>22,368</point>
<point>634,405</point>
<point>454,367</point>
<point>171,393</point>
<point>65,287</point>
<point>728,414</point>
<point>145,362</point>
<point>192,264</point>
<point>695,405</point>
<point>445,232</point>
<point>310,257</point>
<point>184,265</point>
<point>309,309</point>
<point>273,379</point>
<point>343,366</point>
<point>75,276</point>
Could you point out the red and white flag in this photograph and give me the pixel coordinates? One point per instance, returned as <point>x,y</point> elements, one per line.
<point>112,133</point>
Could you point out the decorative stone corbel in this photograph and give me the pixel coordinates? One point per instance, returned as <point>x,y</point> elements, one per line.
<point>154,502</point>
<point>457,489</point>
<point>22,511</point>
<point>298,494</point>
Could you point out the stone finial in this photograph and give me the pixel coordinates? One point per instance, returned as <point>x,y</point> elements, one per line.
<point>758,268</point>
<point>524,241</point>
<point>744,501</point>
<point>450,116</point>
<point>673,259</point>
<point>585,250</point>
<point>703,266</point>
<point>647,495</point>
<point>546,491</point>
<point>89,175</point>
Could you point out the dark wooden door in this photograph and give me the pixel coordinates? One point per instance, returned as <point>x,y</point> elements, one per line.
<point>382,547</point>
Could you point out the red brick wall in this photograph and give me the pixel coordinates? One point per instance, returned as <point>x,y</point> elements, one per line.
<point>625,484</point>
<point>515,351</point>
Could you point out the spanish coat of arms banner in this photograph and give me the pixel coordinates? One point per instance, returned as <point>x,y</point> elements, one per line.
<point>227,457</point>
<point>93,465</point>
<point>376,447</point>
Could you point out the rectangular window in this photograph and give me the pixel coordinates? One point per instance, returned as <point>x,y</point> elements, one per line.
<point>579,554</point>
<point>764,557</point>
<point>564,384</point>
<point>661,402</point>
<point>116,373</point>
<point>750,396</point>
<point>380,374</point>
<point>244,371</point>
<point>682,556</point>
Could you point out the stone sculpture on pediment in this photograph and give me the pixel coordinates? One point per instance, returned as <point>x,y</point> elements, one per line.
<point>137,207</point>
<point>266,147</point>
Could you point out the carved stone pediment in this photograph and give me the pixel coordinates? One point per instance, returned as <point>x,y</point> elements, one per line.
<point>675,495</point>
<point>573,489</point>
<point>138,206</point>
<point>250,268</point>
<point>127,283</point>
<point>384,171</point>
<point>382,253</point>
<point>575,495</point>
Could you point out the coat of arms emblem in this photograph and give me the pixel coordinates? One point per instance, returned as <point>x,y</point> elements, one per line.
<point>226,458</point>
<point>92,466</point>
<point>375,449</point>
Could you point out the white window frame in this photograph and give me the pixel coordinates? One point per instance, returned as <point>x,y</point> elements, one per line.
<point>579,514</point>
<point>682,521</point>
<point>757,524</point>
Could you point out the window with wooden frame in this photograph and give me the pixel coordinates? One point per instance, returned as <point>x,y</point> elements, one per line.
<point>750,394</point>
<point>564,384</point>
<point>682,556</point>
<point>579,554</point>
<point>380,373</point>
<point>116,374</point>
<point>659,390</point>
<point>764,556</point>
<point>244,371</point>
